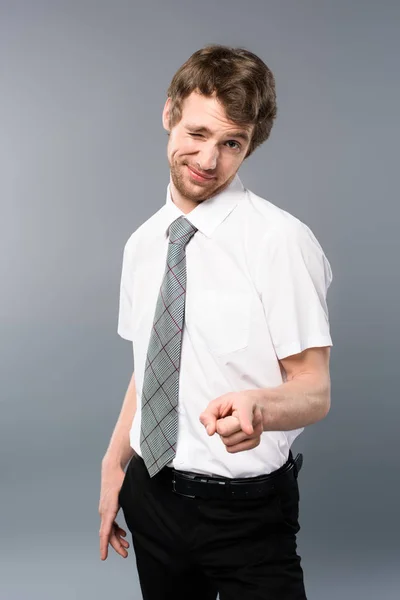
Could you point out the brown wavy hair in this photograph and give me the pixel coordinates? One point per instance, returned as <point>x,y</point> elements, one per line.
<point>243,84</point>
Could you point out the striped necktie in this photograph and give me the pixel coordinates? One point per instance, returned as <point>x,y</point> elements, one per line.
<point>159,419</point>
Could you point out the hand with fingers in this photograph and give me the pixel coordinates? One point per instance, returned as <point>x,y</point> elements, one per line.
<point>237,418</point>
<point>110,532</point>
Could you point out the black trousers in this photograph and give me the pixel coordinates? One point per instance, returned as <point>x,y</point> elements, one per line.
<point>196,548</point>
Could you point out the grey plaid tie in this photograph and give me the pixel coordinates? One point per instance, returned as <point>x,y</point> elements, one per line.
<point>159,421</point>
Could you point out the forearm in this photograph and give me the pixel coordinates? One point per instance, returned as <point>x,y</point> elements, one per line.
<point>119,451</point>
<point>294,404</point>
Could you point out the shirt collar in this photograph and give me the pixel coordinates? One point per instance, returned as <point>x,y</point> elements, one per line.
<point>210,213</point>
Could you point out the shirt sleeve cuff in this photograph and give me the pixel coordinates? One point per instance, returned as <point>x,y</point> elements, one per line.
<point>296,347</point>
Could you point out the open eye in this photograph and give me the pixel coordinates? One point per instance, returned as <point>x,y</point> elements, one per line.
<point>238,146</point>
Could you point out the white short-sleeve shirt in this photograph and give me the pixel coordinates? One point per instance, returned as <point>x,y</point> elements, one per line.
<point>257,280</point>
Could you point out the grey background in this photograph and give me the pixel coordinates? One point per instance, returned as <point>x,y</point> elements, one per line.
<point>83,163</point>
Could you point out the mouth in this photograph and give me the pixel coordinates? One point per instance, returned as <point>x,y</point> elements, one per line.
<point>199,176</point>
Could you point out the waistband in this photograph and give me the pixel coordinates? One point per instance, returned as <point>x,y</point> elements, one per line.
<point>194,485</point>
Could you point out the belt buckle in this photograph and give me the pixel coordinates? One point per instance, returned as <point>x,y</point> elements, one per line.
<point>176,492</point>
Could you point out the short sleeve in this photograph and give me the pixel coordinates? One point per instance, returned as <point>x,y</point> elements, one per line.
<point>294,277</point>
<point>124,328</point>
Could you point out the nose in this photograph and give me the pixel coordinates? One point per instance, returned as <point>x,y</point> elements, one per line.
<point>207,157</point>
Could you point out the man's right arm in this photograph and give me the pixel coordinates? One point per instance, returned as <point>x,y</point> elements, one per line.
<point>119,451</point>
<point>117,456</point>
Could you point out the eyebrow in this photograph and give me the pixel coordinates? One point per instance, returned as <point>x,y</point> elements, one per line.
<point>237,134</point>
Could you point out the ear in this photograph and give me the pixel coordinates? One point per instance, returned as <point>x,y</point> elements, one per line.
<point>165,114</point>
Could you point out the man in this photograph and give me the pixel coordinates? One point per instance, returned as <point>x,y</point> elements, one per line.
<point>223,295</point>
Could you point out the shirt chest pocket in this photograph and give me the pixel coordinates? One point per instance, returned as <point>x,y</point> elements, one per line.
<point>221,319</point>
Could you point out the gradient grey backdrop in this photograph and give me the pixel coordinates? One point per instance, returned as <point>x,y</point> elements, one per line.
<point>83,163</point>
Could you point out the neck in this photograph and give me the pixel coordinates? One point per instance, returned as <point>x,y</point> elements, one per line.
<point>184,204</point>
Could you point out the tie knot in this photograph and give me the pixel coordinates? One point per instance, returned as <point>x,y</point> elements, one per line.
<point>181,231</point>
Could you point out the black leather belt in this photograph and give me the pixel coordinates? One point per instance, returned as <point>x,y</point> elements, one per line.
<point>194,485</point>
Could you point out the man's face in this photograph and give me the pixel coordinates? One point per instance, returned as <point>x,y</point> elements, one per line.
<point>206,142</point>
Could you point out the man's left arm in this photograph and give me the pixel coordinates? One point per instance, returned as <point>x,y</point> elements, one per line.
<point>293,275</point>
<point>304,398</point>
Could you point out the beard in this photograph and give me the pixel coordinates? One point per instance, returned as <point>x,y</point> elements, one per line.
<point>190,189</point>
